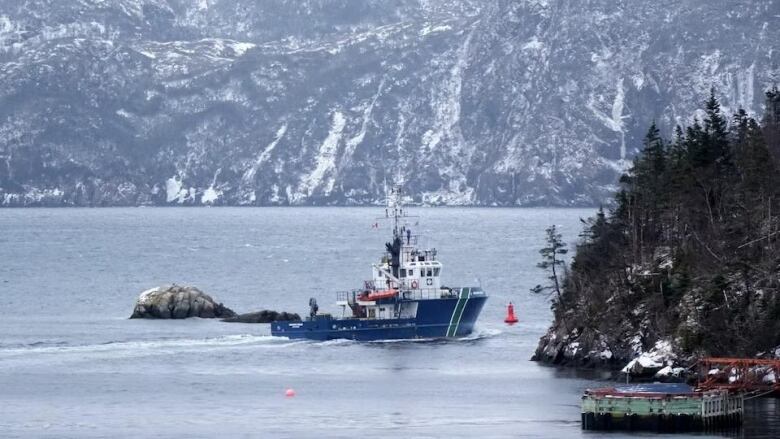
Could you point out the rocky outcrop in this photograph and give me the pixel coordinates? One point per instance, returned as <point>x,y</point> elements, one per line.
<point>579,347</point>
<point>264,316</point>
<point>588,348</point>
<point>178,302</point>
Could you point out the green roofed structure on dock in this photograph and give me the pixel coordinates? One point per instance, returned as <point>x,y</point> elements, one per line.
<point>660,407</point>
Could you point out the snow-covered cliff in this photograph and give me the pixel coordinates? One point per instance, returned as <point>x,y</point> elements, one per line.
<point>524,102</point>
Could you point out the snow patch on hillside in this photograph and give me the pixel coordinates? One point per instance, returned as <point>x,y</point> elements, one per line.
<point>174,190</point>
<point>430,29</point>
<point>533,44</point>
<point>613,121</point>
<point>446,101</point>
<point>210,195</point>
<point>326,160</point>
<point>353,142</point>
<point>240,48</point>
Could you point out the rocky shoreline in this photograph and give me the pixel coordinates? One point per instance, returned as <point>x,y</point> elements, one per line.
<point>587,348</point>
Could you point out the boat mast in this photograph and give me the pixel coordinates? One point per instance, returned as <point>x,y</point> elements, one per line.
<point>395,209</point>
<point>395,206</point>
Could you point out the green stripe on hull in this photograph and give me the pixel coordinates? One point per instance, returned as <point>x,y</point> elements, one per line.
<point>457,314</point>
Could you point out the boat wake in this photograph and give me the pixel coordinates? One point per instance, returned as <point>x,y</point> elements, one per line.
<point>474,336</point>
<point>143,347</point>
<point>336,342</point>
<point>481,334</point>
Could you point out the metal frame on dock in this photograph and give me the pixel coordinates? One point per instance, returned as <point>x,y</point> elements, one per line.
<point>750,376</point>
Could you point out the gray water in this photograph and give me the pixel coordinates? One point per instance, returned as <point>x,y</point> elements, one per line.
<point>73,365</point>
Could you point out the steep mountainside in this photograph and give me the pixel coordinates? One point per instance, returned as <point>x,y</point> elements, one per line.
<point>127,102</point>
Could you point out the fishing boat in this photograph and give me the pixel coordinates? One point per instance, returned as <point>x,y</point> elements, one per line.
<point>405,298</point>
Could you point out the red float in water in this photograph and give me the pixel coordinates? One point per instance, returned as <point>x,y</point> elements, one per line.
<point>289,393</point>
<point>510,315</point>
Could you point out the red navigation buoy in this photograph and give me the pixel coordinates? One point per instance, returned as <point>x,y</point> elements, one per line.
<point>289,393</point>
<point>510,315</point>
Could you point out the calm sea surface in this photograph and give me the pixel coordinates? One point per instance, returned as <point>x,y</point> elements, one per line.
<point>73,365</point>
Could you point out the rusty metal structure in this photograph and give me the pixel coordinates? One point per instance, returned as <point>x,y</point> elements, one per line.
<point>744,375</point>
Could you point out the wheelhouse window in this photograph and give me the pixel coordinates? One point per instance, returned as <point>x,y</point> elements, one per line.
<point>430,272</point>
<point>436,271</point>
<point>403,272</point>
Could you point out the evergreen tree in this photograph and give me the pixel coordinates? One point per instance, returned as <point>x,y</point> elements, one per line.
<point>680,182</point>
<point>771,121</point>
<point>757,166</point>
<point>553,262</point>
<point>710,160</point>
<point>716,132</point>
<point>654,152</point>
<point>695,145</point>
<point>739,127</point>
<point>772,110</point>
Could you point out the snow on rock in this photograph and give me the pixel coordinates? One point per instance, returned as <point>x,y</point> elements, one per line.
<point>641,366</point>
<point>653,361</point>
<point>671,372</point>
<point>585,349</point>
<point>10,199</point>
<point>210,195</point>
<point>174,190</point>
<point>572,349</point>
<point>145,296</point>
<point>664,351</point>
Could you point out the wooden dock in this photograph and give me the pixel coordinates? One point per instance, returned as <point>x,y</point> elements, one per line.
<point>663,408</point>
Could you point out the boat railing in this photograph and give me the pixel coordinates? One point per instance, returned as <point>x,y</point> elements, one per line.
<point>407,293</point>
<point>429,293</point>
<point>410,241</point>
<point>344,296</point>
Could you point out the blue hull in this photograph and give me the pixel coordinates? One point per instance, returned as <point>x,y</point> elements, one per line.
<point>436,318</point>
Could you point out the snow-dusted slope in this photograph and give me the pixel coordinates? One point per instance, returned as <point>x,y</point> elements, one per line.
<point>124,102</point>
